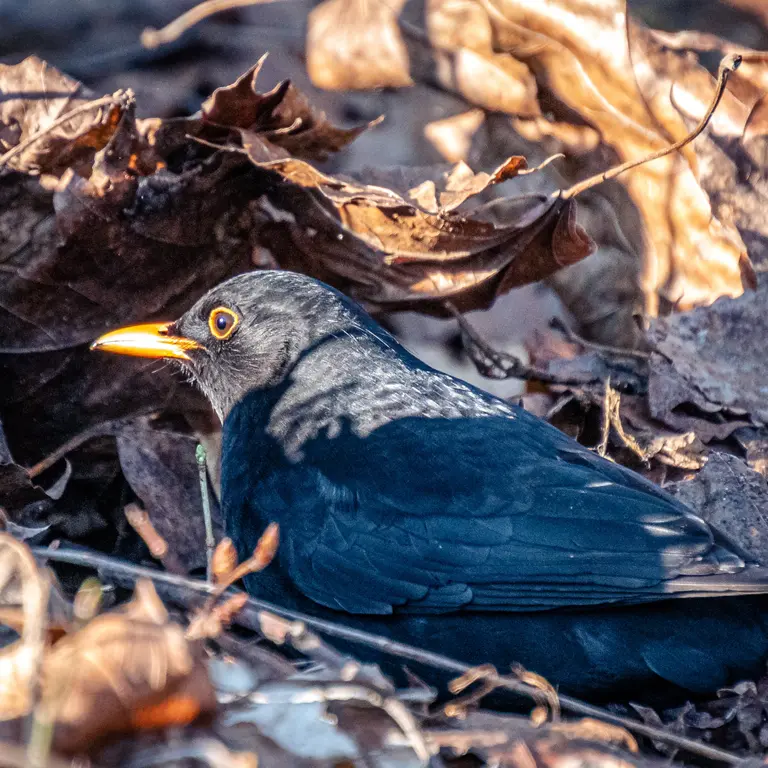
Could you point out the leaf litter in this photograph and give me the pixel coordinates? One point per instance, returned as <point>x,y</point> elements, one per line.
<point>108,218</point>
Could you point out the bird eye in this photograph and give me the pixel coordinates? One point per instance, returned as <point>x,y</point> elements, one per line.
<point>222,322</point>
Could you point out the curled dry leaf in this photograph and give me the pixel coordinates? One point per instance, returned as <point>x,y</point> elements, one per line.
<point>126,669</point>
<point>391,249</point>
<point>690,256</point>
<point>35,95</point>
<point>282,122</point>
<point>352,44</point>
<point>468,62</point>
<point>135,237</point>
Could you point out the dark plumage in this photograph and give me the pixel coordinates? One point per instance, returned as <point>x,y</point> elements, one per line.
<point>447,518</point>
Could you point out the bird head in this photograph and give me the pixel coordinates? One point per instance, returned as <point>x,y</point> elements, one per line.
<point>245,334</point>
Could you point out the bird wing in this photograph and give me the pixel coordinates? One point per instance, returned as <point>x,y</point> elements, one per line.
<point>489,513</point>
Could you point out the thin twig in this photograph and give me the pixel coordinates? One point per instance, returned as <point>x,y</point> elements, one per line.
<point>571,335</point>
<point>728,65</point>
<point>249,618</point>
<point>138,518</point>
<point>152,38</point>
<point>121,96</point>
<point>98,430</point>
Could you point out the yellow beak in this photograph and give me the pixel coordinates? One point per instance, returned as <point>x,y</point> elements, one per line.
<point>150,340</point>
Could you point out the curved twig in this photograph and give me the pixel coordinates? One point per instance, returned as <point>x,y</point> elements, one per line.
<point>249,618</point>
<point>153,38</point>
<point>728,65</point>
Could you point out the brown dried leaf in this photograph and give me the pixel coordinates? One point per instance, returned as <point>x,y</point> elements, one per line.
<point>127,669</point>
<point>357,44</point>
<point>672,400</point>
<point>465,48</point>
<point>34,95</point>
<point>690,257</point>
<point>573,64</point>
<point>276,124</point>
<point>127,248</point>
<point>394,249</point>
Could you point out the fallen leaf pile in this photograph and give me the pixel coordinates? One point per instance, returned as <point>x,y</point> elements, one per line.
<point>587,81</point>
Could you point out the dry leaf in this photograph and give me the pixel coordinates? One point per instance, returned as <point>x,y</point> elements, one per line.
<point>690,257</point>
<point>392,249</point>
<point>36,94</point>
<point>159,465</point>
<point>281,122</point>
<point>21,583</point>
<point>467,61</point>
<point>342,35</point>
<point>602,101</point>
<point>126,669</point>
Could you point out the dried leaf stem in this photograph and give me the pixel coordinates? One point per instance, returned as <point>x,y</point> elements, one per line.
<point>152,38</point>
<point>249,618</point>
<point>728,65</point>
<point>121,97</point>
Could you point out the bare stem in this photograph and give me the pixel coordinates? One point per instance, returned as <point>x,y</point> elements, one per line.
<point>153,38</point>
<point>571,335</point>
<point>728,65</point>
<point>210,540</point>
<point>98,430</point>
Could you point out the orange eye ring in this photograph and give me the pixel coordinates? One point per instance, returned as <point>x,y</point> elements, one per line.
<point>222,322</point>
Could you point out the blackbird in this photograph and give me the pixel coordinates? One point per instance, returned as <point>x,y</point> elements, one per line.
<point>414,505</point>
